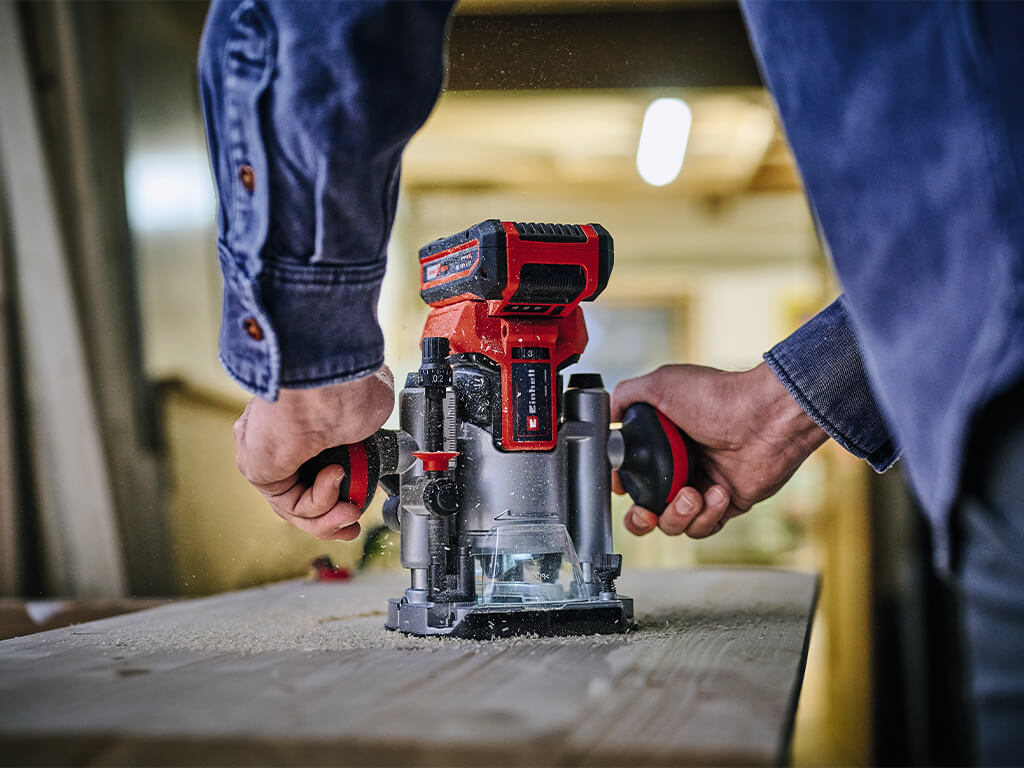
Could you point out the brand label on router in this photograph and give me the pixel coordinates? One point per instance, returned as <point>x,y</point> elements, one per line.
<point>458,263</point>
<point>531,406</point>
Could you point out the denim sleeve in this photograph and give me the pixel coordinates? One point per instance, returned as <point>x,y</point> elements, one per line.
<point>308,106</point>
<point>820,365</point>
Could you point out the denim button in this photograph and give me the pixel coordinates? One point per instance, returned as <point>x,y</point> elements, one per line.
<point>253,329</point>
<point>248,177</point>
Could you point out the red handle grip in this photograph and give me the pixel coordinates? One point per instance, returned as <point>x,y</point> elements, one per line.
<point>659,457</point>
<point>361,462</point>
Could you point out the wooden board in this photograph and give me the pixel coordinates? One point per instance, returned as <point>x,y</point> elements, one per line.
<point>21,617</point>
<point>301,673</point>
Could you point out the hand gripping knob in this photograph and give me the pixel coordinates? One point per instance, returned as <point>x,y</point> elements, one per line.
<point>659,458</point>
<point>364,464</point>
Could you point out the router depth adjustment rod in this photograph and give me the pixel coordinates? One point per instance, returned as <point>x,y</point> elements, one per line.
<point>441,493</point>
<point>450,574</point>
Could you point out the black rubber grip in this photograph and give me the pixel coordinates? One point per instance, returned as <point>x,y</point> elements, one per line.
<point>659,457</point>
<point>361,462</point>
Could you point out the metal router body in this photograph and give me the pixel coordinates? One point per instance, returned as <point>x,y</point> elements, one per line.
<point>567,486</point>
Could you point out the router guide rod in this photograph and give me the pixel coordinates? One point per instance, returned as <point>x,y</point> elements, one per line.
<point>499,478</point>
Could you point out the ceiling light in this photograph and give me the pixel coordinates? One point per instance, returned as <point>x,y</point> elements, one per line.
<point>659,156</point>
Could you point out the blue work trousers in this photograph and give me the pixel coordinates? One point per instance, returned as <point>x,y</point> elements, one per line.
<point>989,520</point>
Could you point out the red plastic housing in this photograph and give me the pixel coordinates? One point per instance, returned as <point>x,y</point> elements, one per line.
<point>511,292</point>
<point>469,327</point>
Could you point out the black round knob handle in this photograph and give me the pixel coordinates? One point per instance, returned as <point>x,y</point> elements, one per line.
<point>659,458</point>
<point>361,462</point>
<point>441,496</point>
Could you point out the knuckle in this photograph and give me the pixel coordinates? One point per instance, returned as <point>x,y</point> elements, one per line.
<point>658,376</point>
<point>626,389</point>
<point>744,503</point>
<point>242,421</point>
<point>385,374</point>
<point>661,370</point>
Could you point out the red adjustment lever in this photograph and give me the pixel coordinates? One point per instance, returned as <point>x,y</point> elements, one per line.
<point>659,457</point>
<point>435,461</point>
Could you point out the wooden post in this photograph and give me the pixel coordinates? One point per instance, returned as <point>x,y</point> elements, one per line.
<point>81,540</point>
<point>99,247</point>
<point>10,534</point>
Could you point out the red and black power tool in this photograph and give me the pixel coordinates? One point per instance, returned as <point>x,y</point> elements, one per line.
<point>499,478</point>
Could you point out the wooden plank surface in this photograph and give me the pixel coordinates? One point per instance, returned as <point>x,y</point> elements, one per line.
<point>301,673</point>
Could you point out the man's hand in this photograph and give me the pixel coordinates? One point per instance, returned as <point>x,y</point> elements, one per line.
<point>274,439</point>
<point>752,436</point>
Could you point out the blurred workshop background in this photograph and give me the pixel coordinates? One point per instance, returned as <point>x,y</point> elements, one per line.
<point>117,473</point>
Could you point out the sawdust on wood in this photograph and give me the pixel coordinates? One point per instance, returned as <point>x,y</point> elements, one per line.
<point>309,617</point>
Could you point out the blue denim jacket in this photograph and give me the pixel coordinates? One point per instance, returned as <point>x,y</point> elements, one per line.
<point>905,120</point>
<point>308,106</point>
<point>820,365</point>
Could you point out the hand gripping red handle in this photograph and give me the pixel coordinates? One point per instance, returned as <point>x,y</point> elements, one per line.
<point>361,462</point>
<point>659,457</point>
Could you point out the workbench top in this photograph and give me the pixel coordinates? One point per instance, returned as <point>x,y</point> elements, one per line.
<point>303,673</point>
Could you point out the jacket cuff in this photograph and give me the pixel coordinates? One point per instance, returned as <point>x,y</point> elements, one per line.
<point>296,326</point>
<point>820,366</point>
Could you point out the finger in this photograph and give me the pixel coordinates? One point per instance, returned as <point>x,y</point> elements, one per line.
<point>322,495</point>
<point>632,391</point>
<point>283,494</point>
<point>283,502</point>
<point>640,521</point>
<point>348,533</point>
<point>680,514</point>
<point>731,512</point>
<point>331,524</point>
<point>239,431</point>
<point>253,468</point>
<point>384,374</point>
<point>617,487</point>
<point>240,424</point>
<point>716,502</point>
